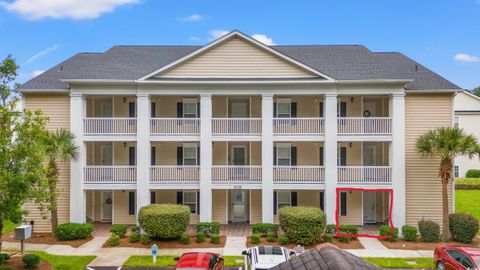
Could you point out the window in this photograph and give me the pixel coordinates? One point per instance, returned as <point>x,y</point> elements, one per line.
<point>456,121</point>
<point>131,203</point>
<point>132,110</point>
<point>284,198</point>
<point>190,200</point>
<point>284,108</point>
<point>189,154</point>
<point>456,171</point>
<point>284,155</point>
<point>189,108</point>
<point>343,204</point>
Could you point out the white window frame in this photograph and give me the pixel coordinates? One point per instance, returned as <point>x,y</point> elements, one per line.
<point>281,204</point>
<point>190,101</point>
<point>195,148</point>
<point>189,204</point>
<point>281,101</point>
<point>456,171</point>
<point>284,145</point>
<point>456,121</point>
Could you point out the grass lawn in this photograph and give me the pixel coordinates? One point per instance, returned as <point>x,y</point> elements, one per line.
<point>8,226</point>
<point>74,262</point>
<point>467,201</point>
<point>401,262</point>
<point>168,261</point>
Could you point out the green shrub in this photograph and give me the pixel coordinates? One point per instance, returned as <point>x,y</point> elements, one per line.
<point>64,266</point>
<point>4,257</point>
<point>135,229</point>
<point>119,229</point>
<point>215,239</point>
<point>467,183</point>
<point>200,237</point>
<point>386,230</point>
<point>472,173</point>
<point>303,225</point>
<point>185,238</point>
<point>271,237</point>
<point>328,238</point>
<point>208,228</point>
<point>134,237</point>
<point>331,229</point>
<point>144,239</point>
<point>463,227</point>
<point>347,229</point>
<point>114,240</point>
<point>264,228</point>
<point>409,233</point>
<point>164,221</point>
<point>73,231</point>
<point>429,231</point>
<point>255,238</point>
<point>31,261</point>
<point>6,268</point>
<point>283,239</point>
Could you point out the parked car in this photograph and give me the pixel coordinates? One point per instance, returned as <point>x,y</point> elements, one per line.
<point>453,258</point>
<point>199,261</point>
<point>265,257</point>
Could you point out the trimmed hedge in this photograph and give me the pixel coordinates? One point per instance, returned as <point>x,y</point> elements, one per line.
<point>386,230</point>
<point>271,237</point>
<point>119,229</point>
<point>200,237</point>
<point>302,225</point>
<point>283,239</point>
<point>134,237</point>
<point>463,227</point>
<point>114,240</point>
<point>185,239</point>
<point>31,261</point>
<point>473,173</point>
<point>409,233</point>
<point>215,239</point>
<point>208,228</point>
<point>347,229</point>
<point>467,183</point>
<point>164,221</point>
<point>144,239</point>
<point>429,231</point>
<point>73,231</point>
<point>255,238</point>
<point>264,228</point>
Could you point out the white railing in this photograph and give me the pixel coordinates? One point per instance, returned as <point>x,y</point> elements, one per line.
<point>298,174</point>
<point>109,126</point>
<point>298,126</point>
<point>364,175</point>
<point>175,126</point>
<point>225,174</point>
<point>364,125</point>
<point>236,126</point>
<point>174,174</point>
<point>110,174</point>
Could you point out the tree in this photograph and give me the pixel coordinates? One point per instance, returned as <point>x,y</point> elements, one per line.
<point>447,143</point>
<point>22,175</point>
<point>476,91</point>
<point>59,147</point>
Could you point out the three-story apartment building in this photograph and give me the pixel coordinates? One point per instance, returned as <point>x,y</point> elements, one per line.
<point>237,129</point>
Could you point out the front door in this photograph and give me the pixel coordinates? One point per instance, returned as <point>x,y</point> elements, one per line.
<point>106,109</point>
<point>369,155</point>
<point>369,207</point>
<point>107,155</point>
<point>239,109</point>
<point>239,206</point>
<point>107,202</point>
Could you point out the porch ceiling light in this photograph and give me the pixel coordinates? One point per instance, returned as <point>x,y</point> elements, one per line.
<point>124,99</point>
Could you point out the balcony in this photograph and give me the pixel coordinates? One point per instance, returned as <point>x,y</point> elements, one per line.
<point>365,175</point>
<point>230,174</point>
<point>298,174</point>
<point>237,126</point>
<point>109,126</point>
<point>175,126</point>
<point>364,126</point>
<point>110,175</point>
<point>298,126</point>
<point>175,174</point>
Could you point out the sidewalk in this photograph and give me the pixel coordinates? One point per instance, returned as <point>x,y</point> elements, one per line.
<point>374,248</point>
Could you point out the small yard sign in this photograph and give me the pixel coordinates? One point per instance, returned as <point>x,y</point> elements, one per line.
<point>154,251</point>
<point>298,249</point>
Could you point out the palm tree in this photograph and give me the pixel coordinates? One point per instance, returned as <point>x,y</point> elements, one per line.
<point>60,147</point>
<point>447,143</point>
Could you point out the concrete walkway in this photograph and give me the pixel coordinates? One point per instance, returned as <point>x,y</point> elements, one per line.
<point>374,248</point>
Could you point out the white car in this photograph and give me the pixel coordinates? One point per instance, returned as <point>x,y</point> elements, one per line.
<point>265,257</point>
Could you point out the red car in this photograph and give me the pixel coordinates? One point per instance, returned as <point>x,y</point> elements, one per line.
<point>199,261</point>
<point>453,258</point>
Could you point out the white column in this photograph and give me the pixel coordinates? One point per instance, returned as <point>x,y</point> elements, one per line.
<point>397,158</point>
<point>206,157</point>
<point>267,158</point>
<point>330,149</point>
<point>77,194</point>
<point>143,150</point>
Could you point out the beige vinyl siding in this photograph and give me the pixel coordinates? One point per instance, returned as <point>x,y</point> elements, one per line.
<point>236,58</point>
<point>354,154</point>
<point>424,112</point>
<point>354,209</point>
<point>219,205</point>
<point>120,208</point>
<point>307,106</point>
<point>166,106</point>
<point>57,108</point>
<point>170,196</point>
<point>166,152</point>
<point>220,107</point>
<point>354,109</point>
<point>221,157</point>
<point>255,206</point>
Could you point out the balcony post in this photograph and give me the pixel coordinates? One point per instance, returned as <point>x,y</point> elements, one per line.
<point>77,197</point>
<point>206,157</point>
<point>330,154</point>
<point>397,157</point>
<point>267,158</point>
<point>143,150</point>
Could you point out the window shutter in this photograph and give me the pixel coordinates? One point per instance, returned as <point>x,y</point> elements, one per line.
<point>179,197</point>
<point>343,109</point>
<point>343,203</point>
<point>198,109</point>
<point>293,198</point>
<point>152,197</point>
<point>321,156</point>
<point>274,156</point>
<point>322,200</point>
<point>153,156</point>
<point>180,109</point>
<point>198,155</point>
<point>274,109</point>
<point>274,202</point>
<point>131,156</point>
<point>131,109</point>
<point>153,109</point>
<point>198,202</point>
<point>131,203</point>
<point>321,109</point>
<point>179,155</point>
<point>343,156</point>
<point>293,108</point>
<point>293,155</point>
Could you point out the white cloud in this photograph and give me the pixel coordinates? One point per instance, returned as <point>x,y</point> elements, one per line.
<point>192,18</point>
<point>42,53</point>
<point>57,9</point>
<point>214,34</point>
<point>463,57</point>
<point>35,73</point>
<point>263,38</point>
<point>193,38</point>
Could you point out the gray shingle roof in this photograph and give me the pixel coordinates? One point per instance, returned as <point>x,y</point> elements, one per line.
<point>342,62</point>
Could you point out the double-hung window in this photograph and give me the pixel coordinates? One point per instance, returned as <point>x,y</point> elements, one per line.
<point>190,200</point>
<point>190,108</point>
<point>284,108</point>
<point>190,154</point>
<point>284,198</point>
<point>284,155</point>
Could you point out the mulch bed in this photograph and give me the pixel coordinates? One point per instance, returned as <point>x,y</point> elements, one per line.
<point>16,263</point>
<point>125,242</point>
<point>402,244</point>
<point>354,244</point>
<point>46,238</point>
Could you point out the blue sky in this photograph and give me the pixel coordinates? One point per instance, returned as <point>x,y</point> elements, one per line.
<point>442,35</point>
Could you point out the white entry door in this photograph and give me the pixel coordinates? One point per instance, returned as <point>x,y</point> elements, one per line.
<point>107,155</point>
<point>369,155</point>
<point>239,206</point>
<point>107,203</point>
<point>369,207</point>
